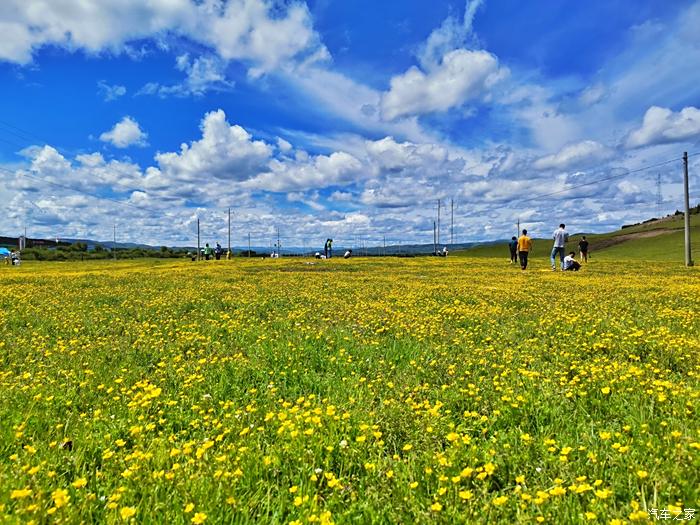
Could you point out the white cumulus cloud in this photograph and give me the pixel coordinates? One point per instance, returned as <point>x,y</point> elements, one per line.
<point>125,133</point>
<point>110,92</point>
<point>575,155</point>
<point>462,75</point>
<point>223,152</point>
<point>662,126</point>
<point>256,32</point>
<point>204,74</point>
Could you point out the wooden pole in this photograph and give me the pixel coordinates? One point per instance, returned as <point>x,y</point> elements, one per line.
<point>452,221</point>
<point>438,222</point>
<point>434,238</point>
<point>688,254</point>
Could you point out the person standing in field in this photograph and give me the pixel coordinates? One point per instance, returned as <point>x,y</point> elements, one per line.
<point>207,252</point>
<point>524,247</point>
<point>513,246</point>
<point>330,248</point>
<point>583,249</point>
<point>218,251</point>
<point>560,237</point>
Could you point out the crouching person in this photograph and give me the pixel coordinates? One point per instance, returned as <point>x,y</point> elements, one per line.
<point>570,263</point>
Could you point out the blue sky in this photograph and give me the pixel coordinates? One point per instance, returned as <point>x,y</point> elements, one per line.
<point>343,119</point>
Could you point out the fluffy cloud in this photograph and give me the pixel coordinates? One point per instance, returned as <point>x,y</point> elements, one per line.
<point>575,155</point>
<point>319,171</point>
<point>451,35</point>
<point>224,152</point>
<point>204,74</point>
<point>450,74</point>
<point>390,186</point>
<point>252,31</point>
<point>393,156</point>
<point>462,75</point>
<point>662,126</point>
<point>49,169</point>
<point>125,133</point>
<point>248,30</point>
<point>110,93</point>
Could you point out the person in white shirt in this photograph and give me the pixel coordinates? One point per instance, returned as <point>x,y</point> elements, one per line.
<point>570,263</point>
<point>560,237</point>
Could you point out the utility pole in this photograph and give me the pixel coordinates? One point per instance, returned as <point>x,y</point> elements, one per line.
<point>228,255</point>
<point>659,196</point>
<point>249,245</point>
<point>198,243</point>
<point>434,238</point>
<point>688,255</point>
<point>517,234</point>
<point>279,251</point>
<point>452,221</point>
<point>438,222</point>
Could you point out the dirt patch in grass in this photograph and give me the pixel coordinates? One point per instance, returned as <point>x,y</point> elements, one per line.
<point>619,239</point>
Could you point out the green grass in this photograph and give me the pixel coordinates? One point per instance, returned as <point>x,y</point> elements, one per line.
<point>668,247</point>
<point>374,390</point>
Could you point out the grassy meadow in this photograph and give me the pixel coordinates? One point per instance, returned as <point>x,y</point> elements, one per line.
<point>422,390</point>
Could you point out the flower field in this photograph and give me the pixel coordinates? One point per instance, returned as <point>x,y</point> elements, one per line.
<point>363,391</point>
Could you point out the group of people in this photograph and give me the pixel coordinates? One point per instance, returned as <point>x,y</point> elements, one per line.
<point>521,247</point>
<point>208,252</point>
<point>13,258</point>
<point>328,248</point>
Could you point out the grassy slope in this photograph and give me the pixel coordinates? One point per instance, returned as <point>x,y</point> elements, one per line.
<point>665,247</point>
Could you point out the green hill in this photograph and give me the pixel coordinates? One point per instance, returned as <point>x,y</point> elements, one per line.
<point>656,240</point>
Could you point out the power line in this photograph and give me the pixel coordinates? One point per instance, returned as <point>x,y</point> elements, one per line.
<point>75,190</point>
<point>21,133</point>
<point>598,181</point>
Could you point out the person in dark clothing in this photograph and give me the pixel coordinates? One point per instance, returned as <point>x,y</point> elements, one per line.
<point>583,249</point>
<point>218,251</point>
<point>513,246</point>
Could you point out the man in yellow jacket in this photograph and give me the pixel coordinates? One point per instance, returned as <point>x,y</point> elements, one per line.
<point>524,247</point>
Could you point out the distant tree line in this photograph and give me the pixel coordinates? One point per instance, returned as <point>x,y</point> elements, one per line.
<point>695,210</point>
<point>79,251</point>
